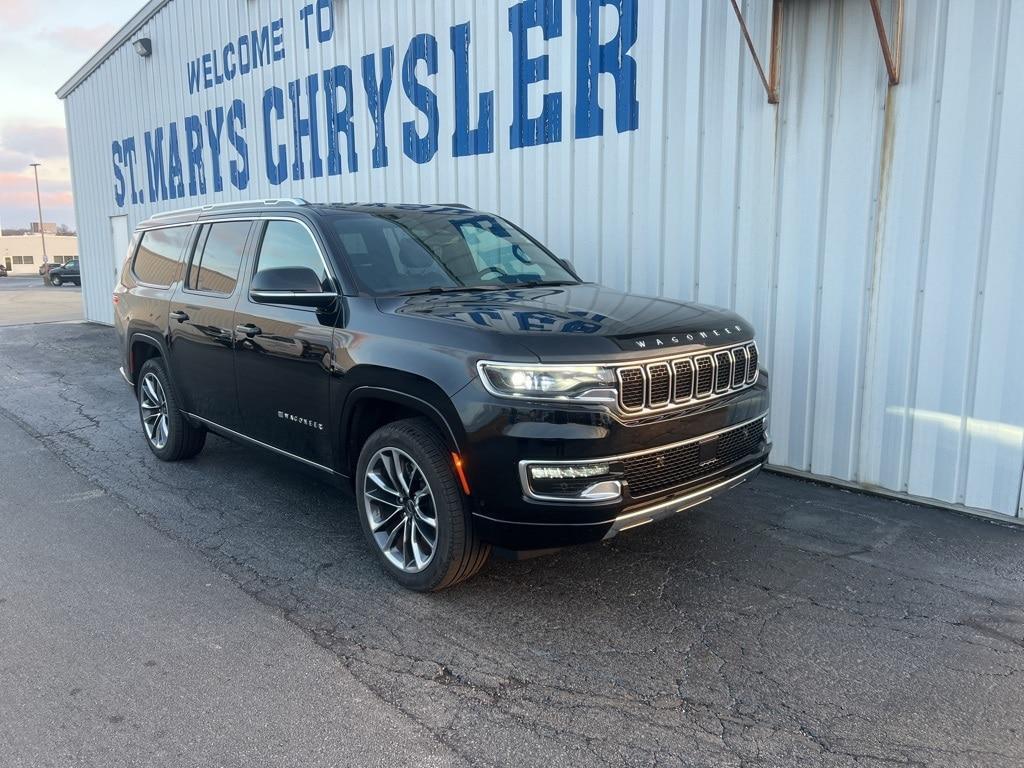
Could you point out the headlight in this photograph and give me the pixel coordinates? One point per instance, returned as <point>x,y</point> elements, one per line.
<point>582,383</point>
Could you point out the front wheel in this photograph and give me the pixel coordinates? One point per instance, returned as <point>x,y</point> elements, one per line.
<point>412,509</point>
<point>55,281</point>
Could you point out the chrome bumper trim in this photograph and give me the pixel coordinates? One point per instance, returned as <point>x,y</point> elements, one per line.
<point>525,464</point>
<point>678,504</point>
<point>125,377</point>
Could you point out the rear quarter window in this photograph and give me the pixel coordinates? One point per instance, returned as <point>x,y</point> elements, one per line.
<point>159,253</point>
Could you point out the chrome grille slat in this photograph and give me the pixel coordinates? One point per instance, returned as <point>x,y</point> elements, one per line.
<point>631,388</point>
<point>751,363</point>
<point>739,366</point>
<point>705,374</point>
<point>683,370</point>
<point>675,381</point>
<point>659,379</point>
<point>723,371</point>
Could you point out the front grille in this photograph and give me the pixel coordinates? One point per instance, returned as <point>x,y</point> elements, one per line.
<point>631,388</point>
<point>705,375</point>
<point>723,371</point>
<point>752,363</point>
<point>673,467</point>
<point>739,368</point>
<point>679,380</point>
<point>660,382</point>
<point>684,379</point>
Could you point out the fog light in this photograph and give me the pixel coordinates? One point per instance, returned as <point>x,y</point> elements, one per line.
<point>568,471</point>
<point>590,482</point>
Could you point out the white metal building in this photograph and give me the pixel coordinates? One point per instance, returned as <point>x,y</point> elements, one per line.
<point>873,233</point>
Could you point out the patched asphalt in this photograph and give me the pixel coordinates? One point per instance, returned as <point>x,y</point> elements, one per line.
<point>784,624</point>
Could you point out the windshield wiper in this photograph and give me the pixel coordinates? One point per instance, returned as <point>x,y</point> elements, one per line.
<point>542,283</point>
<point>447,289</point>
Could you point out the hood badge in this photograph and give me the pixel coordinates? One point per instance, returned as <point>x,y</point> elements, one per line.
<point>679,339</point>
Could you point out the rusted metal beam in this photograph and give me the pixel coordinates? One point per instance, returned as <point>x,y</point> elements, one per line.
<point>771,80</point>
<point>891,54</point>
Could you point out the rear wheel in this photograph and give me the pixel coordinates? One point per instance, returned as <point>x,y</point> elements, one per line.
<point>168,433</point>
<point>412,509</point>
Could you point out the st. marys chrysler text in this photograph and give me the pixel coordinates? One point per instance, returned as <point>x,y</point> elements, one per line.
<point>461,379</point>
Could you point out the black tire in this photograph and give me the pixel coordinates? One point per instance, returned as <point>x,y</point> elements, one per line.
<point>184,439</point>
<point>459,553</point>
<point>55,281</point>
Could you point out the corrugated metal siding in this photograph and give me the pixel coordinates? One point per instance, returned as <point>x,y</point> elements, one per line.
<point>874,236</point>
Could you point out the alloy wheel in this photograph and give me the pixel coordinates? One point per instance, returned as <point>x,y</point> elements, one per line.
<point>400,508</point>
<point>153,402</point>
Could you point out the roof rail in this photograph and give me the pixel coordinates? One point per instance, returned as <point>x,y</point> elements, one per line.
<point>236,204</point>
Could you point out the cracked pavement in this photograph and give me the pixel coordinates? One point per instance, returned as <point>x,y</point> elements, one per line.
<point>783,624</point>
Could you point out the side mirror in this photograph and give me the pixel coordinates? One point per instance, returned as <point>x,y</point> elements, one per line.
<point>295,286</point>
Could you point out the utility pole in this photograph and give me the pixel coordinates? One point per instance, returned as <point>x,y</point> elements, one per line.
<point>39,204</point>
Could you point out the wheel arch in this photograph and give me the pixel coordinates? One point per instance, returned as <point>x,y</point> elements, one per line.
<point>144,346</point>
<point>370,406</point>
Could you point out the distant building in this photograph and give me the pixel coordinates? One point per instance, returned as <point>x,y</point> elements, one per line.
<point>49,228</point>
<point>23,254</point>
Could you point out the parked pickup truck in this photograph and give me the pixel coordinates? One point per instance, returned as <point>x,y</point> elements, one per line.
<point>464,382</point>
<point>67,273</point>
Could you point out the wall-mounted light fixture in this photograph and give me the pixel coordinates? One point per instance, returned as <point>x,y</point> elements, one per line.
<point>144,47</point>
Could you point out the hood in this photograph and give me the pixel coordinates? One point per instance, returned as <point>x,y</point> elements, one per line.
<point>577,321</point>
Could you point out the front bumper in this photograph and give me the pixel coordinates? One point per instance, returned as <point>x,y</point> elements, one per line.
<point>503,437</point>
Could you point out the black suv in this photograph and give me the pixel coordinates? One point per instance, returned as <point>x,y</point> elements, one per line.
<point>461,379</point>
<point>67,273</point>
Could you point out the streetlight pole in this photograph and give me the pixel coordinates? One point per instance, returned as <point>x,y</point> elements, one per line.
<point>39,204</point>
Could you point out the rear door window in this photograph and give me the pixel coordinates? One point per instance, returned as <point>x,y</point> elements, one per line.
<point>218,257</point>
<point>156,260</point>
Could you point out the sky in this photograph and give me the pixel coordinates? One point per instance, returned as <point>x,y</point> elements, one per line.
<point>42,43</point>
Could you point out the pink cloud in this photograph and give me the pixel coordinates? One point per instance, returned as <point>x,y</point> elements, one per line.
<point>15,13</point>
<point>19,190</point>
<point>88,39</point>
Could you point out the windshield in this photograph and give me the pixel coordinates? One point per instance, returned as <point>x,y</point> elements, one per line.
<point>403,252</point>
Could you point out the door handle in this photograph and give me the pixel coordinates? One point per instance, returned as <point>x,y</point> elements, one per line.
<point>249,330</point>
<point>178,315</point>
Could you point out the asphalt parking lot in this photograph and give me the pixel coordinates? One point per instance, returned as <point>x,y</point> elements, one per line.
<point>786,624</point>
<point>26,300</point>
